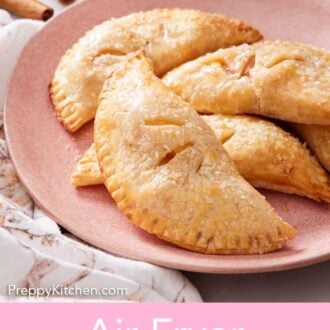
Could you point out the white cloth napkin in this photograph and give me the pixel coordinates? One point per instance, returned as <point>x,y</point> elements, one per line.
<point>34,253</point>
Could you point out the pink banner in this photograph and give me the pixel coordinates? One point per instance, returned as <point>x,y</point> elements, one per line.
<point>107,316</point>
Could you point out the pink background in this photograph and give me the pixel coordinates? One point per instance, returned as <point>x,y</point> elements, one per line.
<point>195,316</point>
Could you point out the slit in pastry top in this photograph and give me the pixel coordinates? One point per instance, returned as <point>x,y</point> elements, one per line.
<point>279,79</point>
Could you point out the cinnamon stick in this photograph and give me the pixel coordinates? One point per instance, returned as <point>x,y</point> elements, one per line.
<point>66,2</point>
<point>28,8</point>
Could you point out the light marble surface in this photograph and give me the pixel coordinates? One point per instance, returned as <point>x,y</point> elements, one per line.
<point>305,284</point>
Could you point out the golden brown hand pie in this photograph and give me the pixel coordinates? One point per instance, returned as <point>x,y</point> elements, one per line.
<point>169,174</point>
<point>280,79</point>
<point>265,155</point>
<point>318,139</point>
<point>169,37</point>
<point>269,157</point>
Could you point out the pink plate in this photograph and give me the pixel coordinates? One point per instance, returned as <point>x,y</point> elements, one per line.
<point>44,153</point>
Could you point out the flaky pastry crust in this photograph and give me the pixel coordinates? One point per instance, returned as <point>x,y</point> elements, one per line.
<point>87,170</point>
<point>265,155</point>
<point>269,157</point>
<point>279,79</point>
<point>169,174</point>
<point>169,37</point>
<point>318,139</point>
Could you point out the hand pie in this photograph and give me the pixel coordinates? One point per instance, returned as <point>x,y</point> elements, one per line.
<point>87,171</point>
<point>169,37</point>
<point>265,155</point>
<point>169,174</point>
<point>280,79</point>
<point>269,157</point>
<point>318,139</point>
